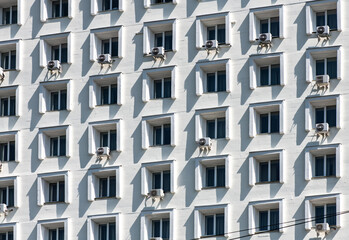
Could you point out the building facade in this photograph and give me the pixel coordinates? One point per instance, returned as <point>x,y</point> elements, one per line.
<point>173,119</point>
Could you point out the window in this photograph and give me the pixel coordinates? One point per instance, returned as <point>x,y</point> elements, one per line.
<point>59,8</point>
<point>266,167</point>
<point>9,102</point>
<point>323,161</point>
<point>157,223</point>
<point>55,47</point>
<point>106,5</point>
<point>9,146</point>
<point>161,1</point>
<point>266,20</point>
<point>269,122</point>
<point>211,221</point>
<point>104,183</point>
<point>104,134</point>
<point>55,229</point>
<point>9,15</point>
<point>55,96</point>
<point>103,227</point>
<point>148,3</point>
<point>110,5</point>
<point>214,27</point>
<point>267,70</point>
<point>323,209</point>
<point>10,52</point>
<point>213,123</point>
<point>265,216</point>
<point>158,175</point>
<point>53,187</point>
<point>323,109</point>
<point>266,118</point>
<point>8,60</point>
<point>7,235</point>
<point>55,9</point>
<point>159,83</point>
<point>159,34</point>
<point>106,41</point>
<point>158,130</point>
<point>54,142</point>
<point>323,14</point>
<point>8,191</point>
<point>323,61</point>
<point>109,94</point>
<point>8,231</point>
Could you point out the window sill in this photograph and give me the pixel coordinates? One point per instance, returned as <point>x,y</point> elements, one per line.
<point>161,98</point>
<point>268,231</point>
<point>104,105</point>
<point>8,24</point>
<point>55,18</point>
<point>323,177</point>
<point>164,145</point>
<point>7,161</point>
<point>65,156</point>
<point>58,110</point>
<point>10,70</point>
<point>206,188</point>
<point>101,198</point>
<point>53,203</point>
<point>268,182</point>
<point>224,91</point>
<point>108,11</point>
<point>8,116</point>
<point>212,236</point>
<point>260,86</point>
<point>269,133</point>
<point>156,4</point>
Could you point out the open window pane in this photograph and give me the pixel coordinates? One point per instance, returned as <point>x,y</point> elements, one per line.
<point>263,220</point>
<point>331,116</point>
<point>332,19</point>
<point>264,123</point>
<point>220,176</point>
<point>209,225</point>
<point>319,166</point>
<point>274,122</point>
<point>220,127</point>
<point>331,214</point>
<point>332,68</point>
<point>166,181</point>
<point>275,74</point>
<point>274,219</point>
<point>274,170</point>
<point>263,172</point>
<point>274,27</point>
<point>221,33</point>
<point>220,224</point>
<point>330,165</point>
<point>221,81</point>
<point>168,40</point>
<point>319,214</point>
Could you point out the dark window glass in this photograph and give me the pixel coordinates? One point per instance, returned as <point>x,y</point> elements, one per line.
<point>274,122</point>
<point>274,27</point>
<point>209,225</point>
<point>114,47</point>
<point>12,151</point>
<point>14,15</point>
<point>103,187</point>
<point>319,115</point>
<point>158,40</point>
<point>220,224</point>
<point>264,71</point>
<point>157,135</point>
<point>3,195</point>
<point>331,165</point>
<point>64,52</point>
<point>112,140</point>
<point>6,13</point>
<point>331,214</point>
<point>156,228</point>
<point>112,231</point>
<point>274,170</point>
<point>4,107</point>
<point>220,127</point>
<point>12,105</point>
<point>62,145</point>
<point>157,89</point>
<point>210,128</point>
<point>115,4</point>
<point>264,123</point>
<point>165,228</point>
<point>64,8</point>
<point>112,186</point>
<point>157,180</point>
<point>63,105</point>
<point>166,181</point>
<point>320,19</point>
<point>168,40</point>
<point>319,166</point>
<point>11,196</point>
<point>55,9</point>
<point>104,95</point>
<point>5,60</point>
<point>319,214</point>
<point>263,220</point>
<point>114,94</point>
<point>13,60</point>
<point>274,219</point>
<point>264,26</point>
<point>53,192</point>
<point>167,134</point>
<point>54,146</point>
<point>221,33</point>
<point>211,82</point>
<point>102,232</point>
<point>106,46</point>
<point>331,116</point>
<point>54,101</point>
<point>332,19</point>
<point>320,67</point>
<point>221,81</point>
<point>275,74</point>
<point>104,139</point>
<point>61,191</point>
<point>106,5</point>
<point>167,87</point>
<point>210,177</point>
<point>263,172</point>
<point>332,68</point>
<point>221,176</point>
<point>211,33</point>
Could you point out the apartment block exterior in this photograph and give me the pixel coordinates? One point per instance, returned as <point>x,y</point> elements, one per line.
<point>173,119</point>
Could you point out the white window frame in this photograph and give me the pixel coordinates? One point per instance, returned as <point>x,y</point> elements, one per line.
<point>99,34</point>
<point>204,21</point>
<point>150,167</point>
<point>11,226</point>
<point>148,3</point>
<point>43,186</point>
<point>258,14</point>
<point>312,102</point>
<point>313,7</point>
<point>94,130</point>
<point>97,81</point>
<point>43,227</point>
<point>93,181</point>
<point>151,74</point>
<point>262,156</point>
<point>148,122</point>
<point>201,116</point>
<point>202,68</point>
<point>48,132</point>
<point>254,209</point>
<point>311,201</point>
<point>9,91</point>
<point>46,10</point>
<point>149,30</point>
<point>199,218</point>
<point>266,107</point>
<point>47,87</point>
<point>19,11</point>
<point>93,222</point>
<point>13,136</point>
<point>312,151</point>
<point>16,45</point>
<point>257,61</point>
<point>96,7</point>
<point>12,181</point>
<point>47,41</point>
<point>148,216</point>
<point>200,170</point>
<point>319,53</point>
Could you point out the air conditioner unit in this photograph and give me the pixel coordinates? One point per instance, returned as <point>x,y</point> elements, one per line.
<point>322,128</point>
<point>265,38</point>
<point>2,74</point>
<point>157,193</point>
<point>322,228</point>
<point>3,208</point>
<point>103,151</point>
<point>104,59</point>
<point>158,52</point>
<point>323,31</point>
<point>211,44</point>
<point>54,65</point>
<point>322,80</point>
<point>205,142</point>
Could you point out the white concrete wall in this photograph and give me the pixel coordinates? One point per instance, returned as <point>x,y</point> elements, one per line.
<point>294,189</point>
